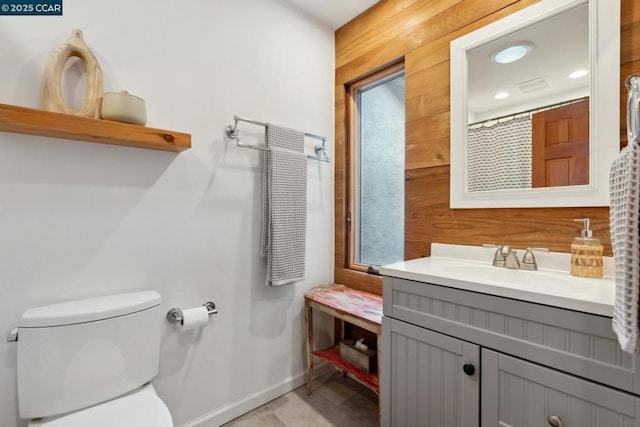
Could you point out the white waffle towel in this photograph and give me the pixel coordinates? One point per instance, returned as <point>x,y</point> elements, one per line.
<point>624,187</point>
<point>284,225</point>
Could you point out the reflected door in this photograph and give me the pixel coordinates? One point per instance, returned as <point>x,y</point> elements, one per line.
<point>560,151</point>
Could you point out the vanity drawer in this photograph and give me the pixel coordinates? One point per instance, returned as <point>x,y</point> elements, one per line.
<point>578,343</point>
<point>522,394</point>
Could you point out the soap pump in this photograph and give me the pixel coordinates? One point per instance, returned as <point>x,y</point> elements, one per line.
<point>586,253</point>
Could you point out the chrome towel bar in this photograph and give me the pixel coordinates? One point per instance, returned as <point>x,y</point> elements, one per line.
<point>233,132</point>
<point>632,83</point>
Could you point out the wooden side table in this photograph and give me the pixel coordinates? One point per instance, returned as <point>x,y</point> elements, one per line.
<point>351,306</point>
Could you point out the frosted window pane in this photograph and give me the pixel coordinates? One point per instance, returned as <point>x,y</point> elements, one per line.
<point>381,174</point>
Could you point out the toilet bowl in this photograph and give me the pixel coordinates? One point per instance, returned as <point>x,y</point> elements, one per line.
<point>90,362</point>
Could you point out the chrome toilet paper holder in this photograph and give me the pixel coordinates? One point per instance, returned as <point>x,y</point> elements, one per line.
<point>175,314</point>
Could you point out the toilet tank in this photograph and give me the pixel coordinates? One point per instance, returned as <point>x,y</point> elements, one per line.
<point>79,353</point>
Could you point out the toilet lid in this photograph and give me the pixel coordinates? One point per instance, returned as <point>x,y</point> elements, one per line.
<point>142,408</point>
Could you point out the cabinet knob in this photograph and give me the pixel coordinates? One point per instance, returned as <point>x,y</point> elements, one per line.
<point>469,369</point>
<point>554,421</point>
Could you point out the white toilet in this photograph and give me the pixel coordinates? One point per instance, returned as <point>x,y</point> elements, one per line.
<point>89,363</point>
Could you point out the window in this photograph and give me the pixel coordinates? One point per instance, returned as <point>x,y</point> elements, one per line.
<point>376,169</point>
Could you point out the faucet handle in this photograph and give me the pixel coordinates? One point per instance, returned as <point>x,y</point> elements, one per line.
<point>538,250</point>
<point>498,257</point>
<point>529,261</point>
<point>489,245</point>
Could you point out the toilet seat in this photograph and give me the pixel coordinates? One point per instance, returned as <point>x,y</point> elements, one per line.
<point>142,408</point>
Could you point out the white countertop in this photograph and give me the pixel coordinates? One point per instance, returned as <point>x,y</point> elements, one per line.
<point>552,286</point>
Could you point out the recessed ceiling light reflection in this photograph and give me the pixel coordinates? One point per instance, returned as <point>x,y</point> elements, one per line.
<point>578,73</point>
<point>512,53</point>
<point>501,95</point>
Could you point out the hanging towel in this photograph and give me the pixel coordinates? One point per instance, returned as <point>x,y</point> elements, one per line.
<point>284,224</point>
<point>624,190</point>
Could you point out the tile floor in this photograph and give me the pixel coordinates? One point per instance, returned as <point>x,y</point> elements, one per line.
<point>334,401</point>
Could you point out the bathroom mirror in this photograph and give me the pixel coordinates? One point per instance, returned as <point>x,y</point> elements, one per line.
<point>523,133</point>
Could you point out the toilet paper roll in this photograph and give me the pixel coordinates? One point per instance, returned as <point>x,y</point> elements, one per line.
<point>193,318</point>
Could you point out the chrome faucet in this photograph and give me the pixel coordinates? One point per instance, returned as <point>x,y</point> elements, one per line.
<point>508,258</point>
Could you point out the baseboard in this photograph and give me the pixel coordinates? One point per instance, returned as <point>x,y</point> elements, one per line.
<point>242,406</point>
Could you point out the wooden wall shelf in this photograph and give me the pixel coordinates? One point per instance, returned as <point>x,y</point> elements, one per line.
<point>45,123</point>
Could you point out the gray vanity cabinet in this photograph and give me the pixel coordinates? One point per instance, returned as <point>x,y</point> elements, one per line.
<point>429,387</point>
<point>537,362</point>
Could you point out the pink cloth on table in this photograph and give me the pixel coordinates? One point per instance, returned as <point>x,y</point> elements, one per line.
<point>358,303</point>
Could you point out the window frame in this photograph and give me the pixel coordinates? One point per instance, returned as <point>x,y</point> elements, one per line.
<point>352,133</point>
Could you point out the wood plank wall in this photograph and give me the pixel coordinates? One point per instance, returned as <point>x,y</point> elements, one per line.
<point>420,31</point>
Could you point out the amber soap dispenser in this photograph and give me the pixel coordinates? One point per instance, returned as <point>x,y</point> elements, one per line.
<point>586,253</point>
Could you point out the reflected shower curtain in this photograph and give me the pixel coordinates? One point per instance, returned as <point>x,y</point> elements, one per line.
<point>499,156</point>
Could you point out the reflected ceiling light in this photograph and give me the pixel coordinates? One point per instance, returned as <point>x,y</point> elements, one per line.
<point>501,95</point>
<point>512,53</point>
<point>578,73</point>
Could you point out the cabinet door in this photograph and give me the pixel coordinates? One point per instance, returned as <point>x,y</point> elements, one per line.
<point>423,378</point>
<point>516,393</point>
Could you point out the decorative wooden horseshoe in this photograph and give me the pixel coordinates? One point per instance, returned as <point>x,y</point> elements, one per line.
<point>53,99</point>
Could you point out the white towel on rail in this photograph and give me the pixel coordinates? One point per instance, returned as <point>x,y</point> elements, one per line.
<point>284,225</point>
<point>624,187</point>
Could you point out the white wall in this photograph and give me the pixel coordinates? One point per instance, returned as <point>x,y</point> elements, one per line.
<point>81,219</point>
